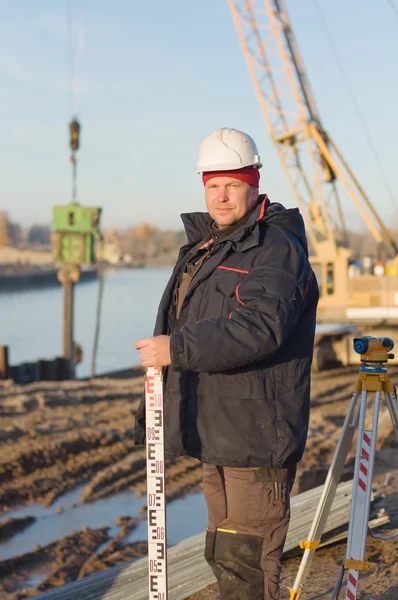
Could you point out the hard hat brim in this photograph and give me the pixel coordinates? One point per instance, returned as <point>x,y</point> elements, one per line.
<point>221,167</point>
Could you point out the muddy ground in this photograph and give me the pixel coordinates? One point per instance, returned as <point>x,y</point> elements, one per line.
<point>57,436</point>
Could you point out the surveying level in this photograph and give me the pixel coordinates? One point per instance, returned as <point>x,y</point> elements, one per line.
<point>374,349</point>
<point>373,377</point>
<point>156,485</point>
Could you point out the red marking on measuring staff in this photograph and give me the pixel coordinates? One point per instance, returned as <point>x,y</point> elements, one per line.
<point>149,389</point>
<point>149,384</point>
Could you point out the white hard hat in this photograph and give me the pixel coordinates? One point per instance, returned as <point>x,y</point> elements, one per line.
<point>226,150</point>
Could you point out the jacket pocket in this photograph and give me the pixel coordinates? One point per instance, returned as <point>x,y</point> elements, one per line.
<point>224,299</point>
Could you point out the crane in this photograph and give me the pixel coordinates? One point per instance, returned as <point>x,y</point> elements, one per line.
<point>313,164</point>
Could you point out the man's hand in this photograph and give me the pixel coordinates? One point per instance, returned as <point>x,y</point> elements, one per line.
<point>154,351</point>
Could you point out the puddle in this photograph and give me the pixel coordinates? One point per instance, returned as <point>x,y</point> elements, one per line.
<point>65,501</point>
<point>35,577</point>
<point>51,526</point>
<point>185,517</point>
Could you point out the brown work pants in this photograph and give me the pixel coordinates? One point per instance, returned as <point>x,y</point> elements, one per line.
<point>249,513</point>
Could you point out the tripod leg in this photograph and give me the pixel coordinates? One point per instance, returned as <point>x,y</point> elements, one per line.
<point>327,497</point>
<point>362,487</point>
<point>392,404</point>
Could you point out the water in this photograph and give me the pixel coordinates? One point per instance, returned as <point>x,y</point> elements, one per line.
<point>31,321</point>
<point>51,526</point>
<point>185,517</point>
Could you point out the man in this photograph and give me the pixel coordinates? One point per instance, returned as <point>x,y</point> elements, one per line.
<point>235,331</point>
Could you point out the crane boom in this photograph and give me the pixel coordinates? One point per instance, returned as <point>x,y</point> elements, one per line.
<point>310,158</point>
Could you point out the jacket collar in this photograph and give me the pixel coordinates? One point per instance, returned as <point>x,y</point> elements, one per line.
<point>198,225</point>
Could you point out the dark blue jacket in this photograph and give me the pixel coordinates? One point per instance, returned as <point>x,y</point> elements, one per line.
<point>237,392</point>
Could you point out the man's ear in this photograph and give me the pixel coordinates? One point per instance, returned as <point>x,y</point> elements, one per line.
<point>255,194</point>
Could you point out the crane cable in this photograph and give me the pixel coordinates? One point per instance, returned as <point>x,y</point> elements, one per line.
<point>356,104</point>
<point>74,50</point>
<point>101,280</point>
<point>69,56</point>
<point>74,127</point>
<point>393,8</point>
<point>74,87</point>
<point>73,90</point>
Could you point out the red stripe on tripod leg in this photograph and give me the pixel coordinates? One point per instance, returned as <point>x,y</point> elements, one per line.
<point>350,595</point>
<point>352,580</point>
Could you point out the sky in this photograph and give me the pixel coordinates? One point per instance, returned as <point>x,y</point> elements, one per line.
<point>150,80</point>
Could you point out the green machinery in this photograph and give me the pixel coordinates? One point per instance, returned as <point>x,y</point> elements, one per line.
<point>75,229</point>
<point>75,232</point>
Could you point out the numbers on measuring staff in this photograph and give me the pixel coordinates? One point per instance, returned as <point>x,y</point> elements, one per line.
<point>155,566</point>
<point>153,434</point>
<point>154,500</point>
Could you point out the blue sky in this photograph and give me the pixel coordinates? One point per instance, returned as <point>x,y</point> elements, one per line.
<point>152,79</point>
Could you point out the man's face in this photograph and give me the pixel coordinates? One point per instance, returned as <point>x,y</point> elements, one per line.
<point>229,199</point>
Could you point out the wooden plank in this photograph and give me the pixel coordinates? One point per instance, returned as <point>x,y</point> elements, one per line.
<point>188,570</point>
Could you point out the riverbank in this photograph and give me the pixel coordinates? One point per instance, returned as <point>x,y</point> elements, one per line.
<point>66,448</point>
<point>27,269</point>
<point>37,278</point>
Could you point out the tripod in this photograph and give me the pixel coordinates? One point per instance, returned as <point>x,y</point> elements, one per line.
<point>373,377</point>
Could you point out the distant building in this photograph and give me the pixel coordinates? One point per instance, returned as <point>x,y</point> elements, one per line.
<point>111,251</point>
<point>4,223</point>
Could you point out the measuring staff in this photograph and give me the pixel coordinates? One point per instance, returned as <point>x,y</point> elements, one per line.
<point>156,489</point>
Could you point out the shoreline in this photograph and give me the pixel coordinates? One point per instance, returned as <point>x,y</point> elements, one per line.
<point>37,279</point>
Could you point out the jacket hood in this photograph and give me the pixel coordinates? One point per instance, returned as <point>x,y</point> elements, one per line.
<point>198,225</point>
<point>288,219</point>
